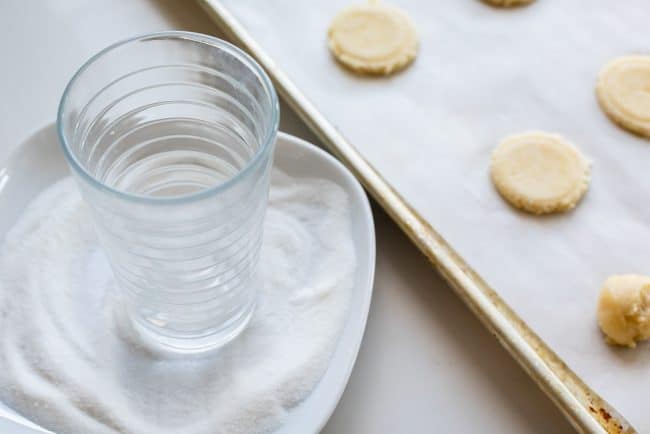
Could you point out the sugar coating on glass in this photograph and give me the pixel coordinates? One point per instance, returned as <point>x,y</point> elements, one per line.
<point>73,368</point>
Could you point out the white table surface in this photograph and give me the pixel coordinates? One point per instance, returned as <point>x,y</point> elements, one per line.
<point>426,364</point>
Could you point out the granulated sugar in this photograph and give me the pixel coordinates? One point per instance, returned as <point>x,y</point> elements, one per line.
<point>69,362</point>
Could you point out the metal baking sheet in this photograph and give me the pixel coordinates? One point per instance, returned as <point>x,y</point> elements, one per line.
<point>420,141</point>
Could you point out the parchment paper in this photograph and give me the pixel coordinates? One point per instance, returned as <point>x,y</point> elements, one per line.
<point>484,73</point>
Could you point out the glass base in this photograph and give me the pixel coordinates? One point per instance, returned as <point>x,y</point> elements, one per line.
<point>198,344</point>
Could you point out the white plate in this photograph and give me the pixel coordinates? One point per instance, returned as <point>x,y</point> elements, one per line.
<point>38,162</point>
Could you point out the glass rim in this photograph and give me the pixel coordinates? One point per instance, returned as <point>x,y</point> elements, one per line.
<point>265,146</point>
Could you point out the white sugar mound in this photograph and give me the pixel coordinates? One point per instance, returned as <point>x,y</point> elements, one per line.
<point>68,363</point>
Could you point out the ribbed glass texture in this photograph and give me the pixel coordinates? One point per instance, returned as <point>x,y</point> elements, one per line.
<point>171,138</point>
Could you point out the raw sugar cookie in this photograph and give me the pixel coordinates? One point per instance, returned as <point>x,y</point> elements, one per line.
<point>623,90</point>
<point>373,38</point>
<point>624,309</point>
<point>508,3</point>
<point>539,172</point>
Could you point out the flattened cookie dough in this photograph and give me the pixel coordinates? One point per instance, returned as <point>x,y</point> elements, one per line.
<point>539,172</point>
<point>624,309</point>
<point>623,91</point>
<point>373,38</point>
<point>508,3</point>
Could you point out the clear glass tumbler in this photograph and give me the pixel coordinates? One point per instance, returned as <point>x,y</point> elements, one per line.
<point>170,137</point>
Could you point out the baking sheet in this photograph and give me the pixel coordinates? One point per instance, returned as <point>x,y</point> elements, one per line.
<point>483,73</point>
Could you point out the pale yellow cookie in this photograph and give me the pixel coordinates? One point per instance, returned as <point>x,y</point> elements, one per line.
<point>373,38</point>
<point>539,172</point>
<point>508,3</point>
<point>624,309</point>
<point>623,90</point>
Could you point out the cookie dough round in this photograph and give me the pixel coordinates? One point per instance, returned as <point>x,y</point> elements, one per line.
<point>623,91</point>
<point>624,309</point>
<point>508,3</point>
<point>373,38</point>
<point>539,172</point>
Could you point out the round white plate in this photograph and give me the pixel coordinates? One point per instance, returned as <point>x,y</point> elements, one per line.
<point>38,162</point>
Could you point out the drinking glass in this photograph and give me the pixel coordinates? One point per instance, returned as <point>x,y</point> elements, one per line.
<point>170,137</point>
